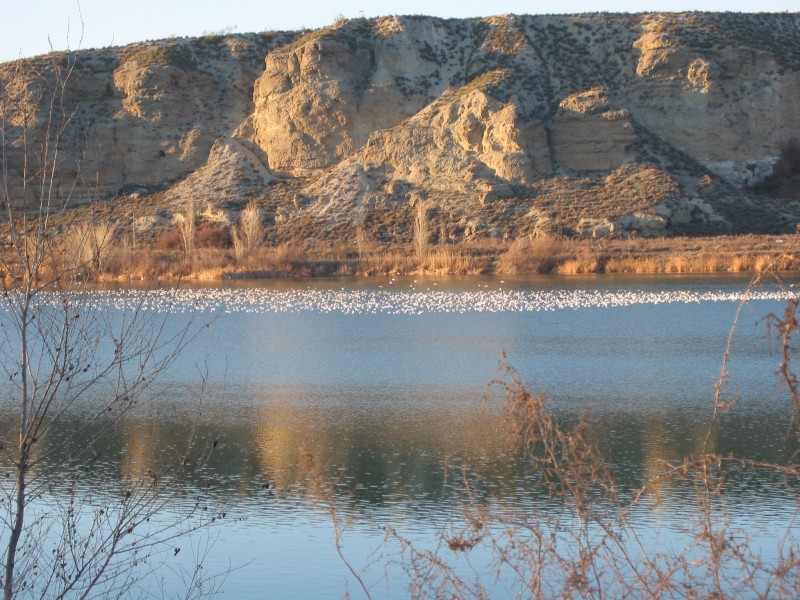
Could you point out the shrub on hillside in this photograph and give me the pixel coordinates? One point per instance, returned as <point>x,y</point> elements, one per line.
<point>784,182</point>
<point>212,236</point>
<point>526,255</point>
<point>208,236</point>
<point>169,240</point>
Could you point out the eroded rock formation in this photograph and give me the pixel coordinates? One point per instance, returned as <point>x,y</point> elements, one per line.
<point>514,125</point>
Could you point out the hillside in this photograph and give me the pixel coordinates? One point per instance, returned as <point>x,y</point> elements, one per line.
<point>588,126</point>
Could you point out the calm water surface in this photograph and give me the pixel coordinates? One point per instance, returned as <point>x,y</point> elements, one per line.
<point>384,382</point>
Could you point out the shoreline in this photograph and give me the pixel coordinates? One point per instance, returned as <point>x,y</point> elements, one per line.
<point>720,254</point>
<point>123,263</point>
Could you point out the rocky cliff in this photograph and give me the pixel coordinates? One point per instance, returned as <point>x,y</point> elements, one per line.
<point>588,125</point>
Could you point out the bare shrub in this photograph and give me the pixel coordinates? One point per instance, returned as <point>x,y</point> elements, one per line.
<point>582,538</point>
<point>783,181</point>
<point>788,164</point>
<point>287,260</point>
<point>365,241</point>
<point>586,260</point>
<point>212,236</point>
<point>87,246</point>
<point>125,261</point>
<point>583,543</point>
<point>238,245</point>
<point>169,240</point>
<point>526,255</point>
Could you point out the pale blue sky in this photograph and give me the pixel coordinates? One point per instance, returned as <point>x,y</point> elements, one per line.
<point>28,24</point>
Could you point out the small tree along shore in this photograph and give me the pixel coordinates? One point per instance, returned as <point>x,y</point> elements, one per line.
<point>63,355</point>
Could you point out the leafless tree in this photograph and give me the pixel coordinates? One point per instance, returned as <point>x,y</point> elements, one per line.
<point>249,234</point>
<point>421,227</point>
<point>186,222</point>
<point>88,244</point>
<point>69,359</point>
<point>364,240</point>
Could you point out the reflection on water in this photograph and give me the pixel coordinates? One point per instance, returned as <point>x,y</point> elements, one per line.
<point>391,456</point>
<point>387,391</point>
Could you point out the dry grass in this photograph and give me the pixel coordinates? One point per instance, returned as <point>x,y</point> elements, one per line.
<point>582,261</point>
<point>577,266</point>
<point>731,254</point>
<point>383,263</point>
<point>702,262</point>
<point>283,260</point>
<point>214,258</point>
<point>632,264</point>
<point>445,261</point>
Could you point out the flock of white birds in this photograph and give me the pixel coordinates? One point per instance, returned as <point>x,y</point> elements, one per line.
<point>410,301</point>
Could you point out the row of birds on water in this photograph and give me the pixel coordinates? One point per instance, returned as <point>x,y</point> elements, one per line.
<point>403,301</point>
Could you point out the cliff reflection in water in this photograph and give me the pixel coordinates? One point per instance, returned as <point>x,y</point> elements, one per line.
<point>400,451</point>
<point>386,390</point>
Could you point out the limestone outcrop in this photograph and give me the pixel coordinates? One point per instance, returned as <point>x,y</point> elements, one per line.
<point>138,117</point>
<point>595,124</point>
<point>720,96</point>
<point>588,135</point>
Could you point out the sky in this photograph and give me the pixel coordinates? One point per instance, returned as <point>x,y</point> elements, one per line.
<point>34,27</point>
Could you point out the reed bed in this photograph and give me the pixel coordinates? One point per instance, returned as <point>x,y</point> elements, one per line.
<point>165,261</point>
<point>701,263</point>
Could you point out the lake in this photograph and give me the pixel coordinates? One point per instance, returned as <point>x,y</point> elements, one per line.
<point>383,384</point>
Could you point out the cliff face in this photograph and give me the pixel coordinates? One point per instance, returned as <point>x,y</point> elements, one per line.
<point>136,117</point>
<point>505,126</point>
